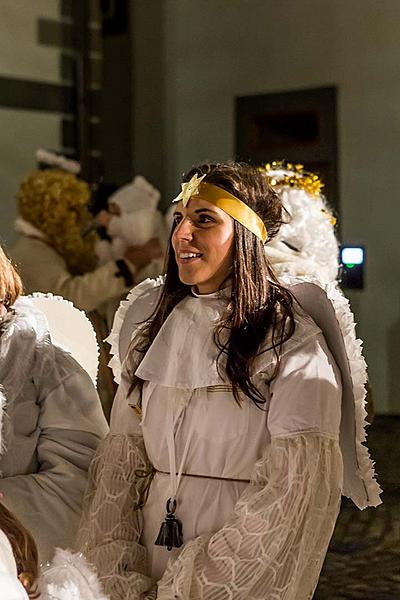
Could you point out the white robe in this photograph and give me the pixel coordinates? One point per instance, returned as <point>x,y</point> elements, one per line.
<point>267,538</point>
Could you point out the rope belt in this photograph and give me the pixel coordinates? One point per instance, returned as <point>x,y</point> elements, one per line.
<point>205,476</point>
<point>147,477</point>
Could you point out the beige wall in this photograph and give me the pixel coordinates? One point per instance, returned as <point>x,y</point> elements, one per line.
<point>215,50</point>
<point>192,57</point>
<point>23,131</point>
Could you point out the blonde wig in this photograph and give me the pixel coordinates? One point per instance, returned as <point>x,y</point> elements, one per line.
<point>56,203</point>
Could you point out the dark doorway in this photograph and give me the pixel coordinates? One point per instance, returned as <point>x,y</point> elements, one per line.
<point>298,126</point>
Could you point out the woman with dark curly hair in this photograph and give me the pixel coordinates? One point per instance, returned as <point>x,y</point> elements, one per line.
<point>223,472</point>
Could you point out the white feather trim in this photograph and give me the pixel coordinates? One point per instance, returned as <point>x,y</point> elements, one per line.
<point>311,231</point>
<point>358,373</point>
<point>114,338</point>
<point>70,328</point>
<point>70,577</point>
<point>358,370</point>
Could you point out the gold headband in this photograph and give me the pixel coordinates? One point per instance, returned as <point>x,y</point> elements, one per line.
<point>219,197</point>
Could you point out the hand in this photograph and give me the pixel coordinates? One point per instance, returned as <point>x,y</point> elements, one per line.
<point>103,218</point>
<point>140,256</point>
<point>26,579</point>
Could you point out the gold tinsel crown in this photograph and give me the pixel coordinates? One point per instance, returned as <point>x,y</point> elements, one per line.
<point>282,173</point>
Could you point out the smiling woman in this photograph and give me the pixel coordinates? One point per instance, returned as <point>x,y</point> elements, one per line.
<point>225,431</point>
<point>203,244</point>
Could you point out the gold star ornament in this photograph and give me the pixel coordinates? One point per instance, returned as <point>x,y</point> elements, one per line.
<point>189,189</point>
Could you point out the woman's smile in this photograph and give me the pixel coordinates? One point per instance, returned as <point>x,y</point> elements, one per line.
<point>187,256</point>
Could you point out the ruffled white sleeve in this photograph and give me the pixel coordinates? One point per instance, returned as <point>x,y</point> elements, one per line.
<point>274,544</point>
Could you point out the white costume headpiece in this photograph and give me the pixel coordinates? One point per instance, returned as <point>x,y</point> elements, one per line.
<point>57,160</point>
<point>137,195</point>
<point>306,243</point>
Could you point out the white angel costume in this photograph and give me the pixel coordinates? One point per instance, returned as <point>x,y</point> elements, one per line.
<point>306,244</point>
<point>53,418</point>
<point>138,222</point>
<point>258,492</point>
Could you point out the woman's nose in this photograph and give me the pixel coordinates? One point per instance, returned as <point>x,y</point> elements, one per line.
<point>184,230</point>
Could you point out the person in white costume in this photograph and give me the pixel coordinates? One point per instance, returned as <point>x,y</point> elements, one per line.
<point>55,251</point>
<point>238,421</point>
<point>52,253</point>
<point>53,418</point>
<point>306,244</point>
<point>306,247</point>
<point>132,219</point>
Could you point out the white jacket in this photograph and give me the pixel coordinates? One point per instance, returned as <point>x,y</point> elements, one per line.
<point>52,426</point>
<point>43,269</point>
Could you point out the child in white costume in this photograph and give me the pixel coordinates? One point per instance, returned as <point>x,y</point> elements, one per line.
<point>251,495</point>
<point>132,219</point>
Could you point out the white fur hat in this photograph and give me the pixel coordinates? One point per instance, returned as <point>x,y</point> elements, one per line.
<point>137,195</point>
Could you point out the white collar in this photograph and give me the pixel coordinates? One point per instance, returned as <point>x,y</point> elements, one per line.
<point>184,354</point>
<point>223,293</point>
<point>26,228</point>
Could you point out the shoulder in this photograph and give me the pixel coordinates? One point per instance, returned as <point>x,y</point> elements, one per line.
<point>135,310</point>
<point>39,264</point>
<point>305,330</point>
<point>25,245</point>
<point>307,392</point>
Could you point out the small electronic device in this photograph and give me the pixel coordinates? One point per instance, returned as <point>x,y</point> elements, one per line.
<point>352,260</point>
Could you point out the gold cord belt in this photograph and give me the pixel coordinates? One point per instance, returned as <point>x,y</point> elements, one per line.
<point>205,476</point>
<point>147,478</point>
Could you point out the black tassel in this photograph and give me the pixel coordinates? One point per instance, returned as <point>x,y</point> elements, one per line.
<point>171,533</point>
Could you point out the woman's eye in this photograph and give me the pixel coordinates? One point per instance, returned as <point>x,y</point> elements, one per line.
<point>177,219</point>
<point>205,219</point>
